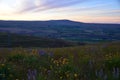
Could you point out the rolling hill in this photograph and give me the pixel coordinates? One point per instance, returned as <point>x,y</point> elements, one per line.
<point>64,29</point>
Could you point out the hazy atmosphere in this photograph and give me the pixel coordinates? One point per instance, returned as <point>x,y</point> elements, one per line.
<point>93,11</point>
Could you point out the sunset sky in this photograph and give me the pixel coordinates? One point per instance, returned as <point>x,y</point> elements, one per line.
<point>93,11</point>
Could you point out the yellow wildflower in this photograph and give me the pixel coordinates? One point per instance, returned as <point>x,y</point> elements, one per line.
<point>61,77</point>
<point>67,75</point>
<point>3,64</point>
<point>75,75</point>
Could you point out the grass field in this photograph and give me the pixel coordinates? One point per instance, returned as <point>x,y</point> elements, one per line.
<point>88,62</point>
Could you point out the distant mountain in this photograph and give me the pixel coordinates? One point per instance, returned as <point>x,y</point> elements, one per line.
<point>64,22</point>
<point>64,29</point>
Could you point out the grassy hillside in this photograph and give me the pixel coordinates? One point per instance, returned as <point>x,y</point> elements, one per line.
<point>89,62</point>
<point>16,40</point>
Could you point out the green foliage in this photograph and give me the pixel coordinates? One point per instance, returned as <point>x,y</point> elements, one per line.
<point>7,72</point>
<point>73,63</point>
<point>113,62</point>
<point>16,58</point>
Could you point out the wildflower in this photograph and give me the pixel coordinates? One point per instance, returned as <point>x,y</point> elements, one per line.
<point>32,74</point>
<point>75,75</point>
<point>29,74</point>
<point>61,77</point>
<point>67,75</point>
<point>33,51</point>
<point>116,73</point>
<point>41,53</point>
<point>3,64</point>
<point>101,73</point>
<point>49,71</point>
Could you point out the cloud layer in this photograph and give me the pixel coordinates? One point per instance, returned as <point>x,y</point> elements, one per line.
<point>41,5</point>
<point>82,10</point>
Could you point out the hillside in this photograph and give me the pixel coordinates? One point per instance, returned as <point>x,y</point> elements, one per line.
<point>64,29</point>
<point>89,62</point>
<point>17,40</point>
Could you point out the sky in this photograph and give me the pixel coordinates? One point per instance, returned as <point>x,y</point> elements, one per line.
<point>90,11</point>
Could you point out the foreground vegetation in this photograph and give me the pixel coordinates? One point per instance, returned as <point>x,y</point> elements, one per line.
<point>89,62</point>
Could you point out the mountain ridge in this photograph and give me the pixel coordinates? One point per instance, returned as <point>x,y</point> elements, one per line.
<point>67,20</point>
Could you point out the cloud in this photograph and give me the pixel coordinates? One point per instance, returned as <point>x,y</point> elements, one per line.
<point>41,5</point>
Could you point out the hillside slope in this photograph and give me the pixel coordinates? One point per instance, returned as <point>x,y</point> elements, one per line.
<point>15,40</point>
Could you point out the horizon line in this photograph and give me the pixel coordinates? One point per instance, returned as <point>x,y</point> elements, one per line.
<point>64,19</point>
